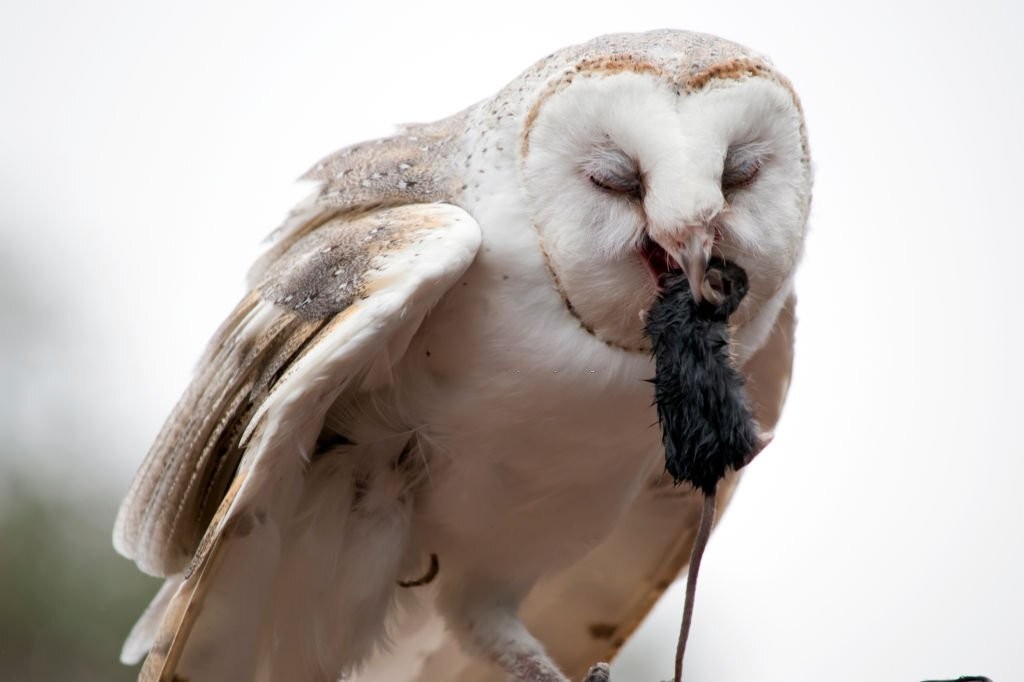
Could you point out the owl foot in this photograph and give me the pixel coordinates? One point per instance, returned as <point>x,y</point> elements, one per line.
<point>599,673</point>
<point>497,635</point>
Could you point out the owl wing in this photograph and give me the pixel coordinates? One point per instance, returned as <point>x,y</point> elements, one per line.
<point>586,613</point>
<point>333,309</point>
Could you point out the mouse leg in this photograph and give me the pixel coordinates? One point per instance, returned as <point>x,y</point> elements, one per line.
<point>764,439</point>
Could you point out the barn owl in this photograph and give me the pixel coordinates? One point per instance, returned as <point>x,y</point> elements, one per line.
<point>423,447</point>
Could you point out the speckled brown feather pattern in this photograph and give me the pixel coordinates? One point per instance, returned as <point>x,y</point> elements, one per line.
<point>415,166</point>
<point>418,165</point>
<point>325,271</point>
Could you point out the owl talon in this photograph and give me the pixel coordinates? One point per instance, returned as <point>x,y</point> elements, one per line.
<point>600,672</point>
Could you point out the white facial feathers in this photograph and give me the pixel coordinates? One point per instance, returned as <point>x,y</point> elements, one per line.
<point>575,132</point>
<point>728,157</point>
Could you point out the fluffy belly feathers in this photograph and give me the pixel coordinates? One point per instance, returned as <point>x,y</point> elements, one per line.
<point>536,447</point>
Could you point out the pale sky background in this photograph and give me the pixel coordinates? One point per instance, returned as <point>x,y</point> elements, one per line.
<point>147,148</point>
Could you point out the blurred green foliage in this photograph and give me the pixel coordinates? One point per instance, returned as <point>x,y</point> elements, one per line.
<point>67,600</point>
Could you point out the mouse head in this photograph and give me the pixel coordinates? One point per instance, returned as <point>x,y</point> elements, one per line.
<point>724,286</point>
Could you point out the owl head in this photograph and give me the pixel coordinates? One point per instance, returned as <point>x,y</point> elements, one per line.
<point>643,153</point>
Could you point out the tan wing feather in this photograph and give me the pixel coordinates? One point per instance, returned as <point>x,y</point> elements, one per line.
<point>187,602</point>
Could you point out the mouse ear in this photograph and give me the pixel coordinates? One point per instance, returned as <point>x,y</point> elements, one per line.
<point>715,288</point>
<point>738,276</point>
<point>738,285</point>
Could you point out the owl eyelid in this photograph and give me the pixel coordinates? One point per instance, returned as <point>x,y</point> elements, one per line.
<point>611,170</point>
<point>617,184</point>
<point>741,167</point>
<point>735,177</point>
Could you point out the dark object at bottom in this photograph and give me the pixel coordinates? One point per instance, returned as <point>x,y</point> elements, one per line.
<point>707,426</point>
<point>969,678</point>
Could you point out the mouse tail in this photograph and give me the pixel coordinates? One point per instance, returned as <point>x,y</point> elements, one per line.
<point>707,520</point>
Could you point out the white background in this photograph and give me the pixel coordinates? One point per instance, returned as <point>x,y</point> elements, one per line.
<point>147,148</point>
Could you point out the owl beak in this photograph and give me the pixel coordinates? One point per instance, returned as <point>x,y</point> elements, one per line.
<point>694,254</point>
<point>688,250</point>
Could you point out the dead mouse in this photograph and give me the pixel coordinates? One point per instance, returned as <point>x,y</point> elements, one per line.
<point>707,424</point>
